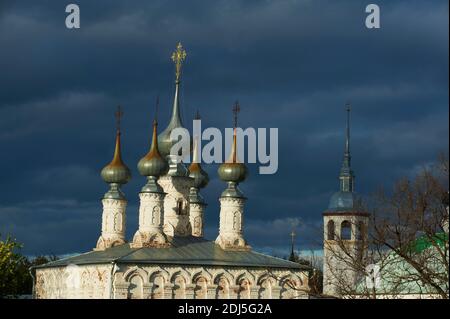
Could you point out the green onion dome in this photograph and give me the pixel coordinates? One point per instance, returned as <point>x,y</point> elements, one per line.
<point>153,164</point>
<point>116,172</point>
<point>196,172</point>
<point>232,170</point>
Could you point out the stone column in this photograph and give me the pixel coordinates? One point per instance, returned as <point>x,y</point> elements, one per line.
<point>211,291</point>
<point>190,291</point>
<point>121,290</point>
<point>254,292</point>
<point>276,292</point>
<point>234,291</point>
<point>147,291</point>
<point>168,291</point>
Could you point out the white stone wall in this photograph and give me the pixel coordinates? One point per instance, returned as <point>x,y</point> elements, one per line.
<point>176,205</point>
<point>170,282</point>
<point>73,282</point>
<point>231,223</point>
<point>151,221</point>
<point>113,223</point>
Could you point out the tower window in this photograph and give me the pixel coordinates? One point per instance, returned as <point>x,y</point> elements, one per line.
<point>346,230</point>
<point>330,230</point>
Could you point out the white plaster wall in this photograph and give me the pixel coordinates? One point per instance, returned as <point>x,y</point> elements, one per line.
<point>170,282</point>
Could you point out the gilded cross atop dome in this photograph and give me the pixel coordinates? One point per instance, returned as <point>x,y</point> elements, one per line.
<point>178,57</point>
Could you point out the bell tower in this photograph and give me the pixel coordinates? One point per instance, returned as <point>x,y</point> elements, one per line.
<point>345,230</point>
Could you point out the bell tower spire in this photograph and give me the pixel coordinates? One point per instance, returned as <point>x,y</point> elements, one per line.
<point>345,224</point>
<point>346,175</point>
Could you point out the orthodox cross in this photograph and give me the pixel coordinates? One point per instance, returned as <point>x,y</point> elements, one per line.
<point>119,115</point>
<point>236,110</point>
<point>178,56</point>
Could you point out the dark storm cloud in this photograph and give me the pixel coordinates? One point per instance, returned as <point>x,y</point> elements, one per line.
<point>292,64</point>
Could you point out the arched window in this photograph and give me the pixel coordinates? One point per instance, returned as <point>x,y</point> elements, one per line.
<point>346,230</point>
<point>330,230</point>
<point>135,288</point>
<point>180,207</point>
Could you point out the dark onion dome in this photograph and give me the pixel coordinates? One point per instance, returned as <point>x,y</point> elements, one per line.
<point>153,163</point>
<point>344,202</point>
<point>196,172</point>
<point>116,172</point>
<point>164,141</point>
<point>232,170</point>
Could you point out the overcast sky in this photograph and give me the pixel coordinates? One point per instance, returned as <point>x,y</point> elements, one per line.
<point>292,64</point>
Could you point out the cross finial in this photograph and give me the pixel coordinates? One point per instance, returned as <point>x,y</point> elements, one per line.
<point>178,56</point>
<point>119,115</point>
<point>293,235</point>
<point>236,110</point>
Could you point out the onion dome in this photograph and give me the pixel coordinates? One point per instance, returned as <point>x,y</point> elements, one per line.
<point>196,172</point>
<point>233,172</point>
<point>116,172</point>
<point>153,164</point>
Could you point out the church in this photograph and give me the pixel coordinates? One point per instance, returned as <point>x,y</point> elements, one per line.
<point>168,256</point>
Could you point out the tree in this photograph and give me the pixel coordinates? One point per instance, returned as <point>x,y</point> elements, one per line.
<point>11,264</point>
<point>407,244</point>
<point>15,277</point>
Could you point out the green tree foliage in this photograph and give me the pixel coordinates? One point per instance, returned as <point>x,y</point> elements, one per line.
<point>15,277</point>
<point>12,268</point>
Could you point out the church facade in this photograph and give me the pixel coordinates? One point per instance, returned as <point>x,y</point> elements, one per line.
<point>168,257</point>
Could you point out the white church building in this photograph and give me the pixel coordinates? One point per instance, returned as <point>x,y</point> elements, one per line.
<point>168,257</point>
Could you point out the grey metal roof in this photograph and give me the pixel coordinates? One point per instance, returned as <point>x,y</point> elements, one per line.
<point>184,251</point>
<point>343,201</point>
